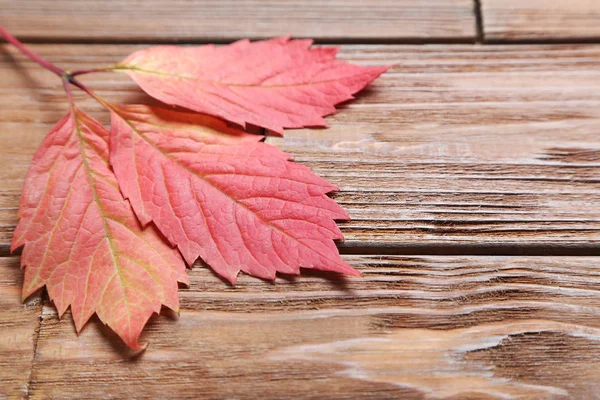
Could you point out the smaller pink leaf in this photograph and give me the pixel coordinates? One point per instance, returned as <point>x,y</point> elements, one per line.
<point>223,195</point>
<point>82,239</point>
<point>275,84</point>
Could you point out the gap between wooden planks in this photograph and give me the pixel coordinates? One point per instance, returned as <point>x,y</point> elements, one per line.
<point>19,328</point>
<point>457,149</point>
<point>127,21</point>
<point>439,327</point>
<point>376,21</point>
<point>540,20</point>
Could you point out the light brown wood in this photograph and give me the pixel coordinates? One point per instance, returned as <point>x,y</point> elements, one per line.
<point>410,327</point>
<point>19,325</point>
<point>541,19</point>
<point>209,20</point>
<point>458,147</point>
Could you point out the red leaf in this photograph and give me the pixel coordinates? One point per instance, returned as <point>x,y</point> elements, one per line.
<point>275,84</point>
<point>223,195</point>
<point>82,239</point>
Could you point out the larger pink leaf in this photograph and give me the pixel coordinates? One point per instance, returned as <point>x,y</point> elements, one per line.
<point>275,84</point>
<point>82,239</point>
<point>223,195</point>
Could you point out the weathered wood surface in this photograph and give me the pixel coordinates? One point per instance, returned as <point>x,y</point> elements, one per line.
<point>19,324</point>
<point>410,327</point>
<point>458,148</point>
<point>541,20</point>
<point>210,20</point>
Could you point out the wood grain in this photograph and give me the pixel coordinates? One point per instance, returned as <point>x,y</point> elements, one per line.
<point>19,325</point>
<point>458,149</point>
<point>541,20</point>
<point>226,20</point>
<point>484,149</point>
<point>410,327</point>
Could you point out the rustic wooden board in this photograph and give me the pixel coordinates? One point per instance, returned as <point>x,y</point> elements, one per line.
<point>225,20</point>
<point>541,19</point>
<point>439,327</point>
<point>484,149</point>
<point>19,324</point>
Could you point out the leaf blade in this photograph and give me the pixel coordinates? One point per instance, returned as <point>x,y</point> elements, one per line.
<point>275,84</point>
<point>82,241</point>
<point>240,205</point>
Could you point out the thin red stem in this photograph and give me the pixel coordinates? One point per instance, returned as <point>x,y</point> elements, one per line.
<point>67,86</point>
<point>90,71</point>
<point>67,78</point>
<point>33,56</point>
<point>96,97</point>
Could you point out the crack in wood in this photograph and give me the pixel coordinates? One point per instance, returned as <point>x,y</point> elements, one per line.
<point>36,337</point>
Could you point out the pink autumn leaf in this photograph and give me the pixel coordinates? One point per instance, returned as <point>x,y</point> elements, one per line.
<point>223,195</point>
<point>82,240</point>
<point>275,84</point>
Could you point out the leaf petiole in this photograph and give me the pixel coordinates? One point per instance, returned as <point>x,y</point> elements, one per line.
<point>67,86</point>
<point>92,70</point>
<point>71,79</point>
<point>30,54</point>
<point>68,78</point>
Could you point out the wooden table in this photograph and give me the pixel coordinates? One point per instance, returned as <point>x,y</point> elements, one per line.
<point>471,172</point>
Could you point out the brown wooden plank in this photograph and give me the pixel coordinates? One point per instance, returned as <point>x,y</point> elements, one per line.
<point>19,325</point>
<point>210,20</point>
<point>456,146</point>
<point>410,327</point>
<point>540,19</point>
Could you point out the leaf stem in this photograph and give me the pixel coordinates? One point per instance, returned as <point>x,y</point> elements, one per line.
<point>67,86</point>
<point>91,70</point>
<point>30,54</point>
<point>68,78</point>
<point>71,79</point>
